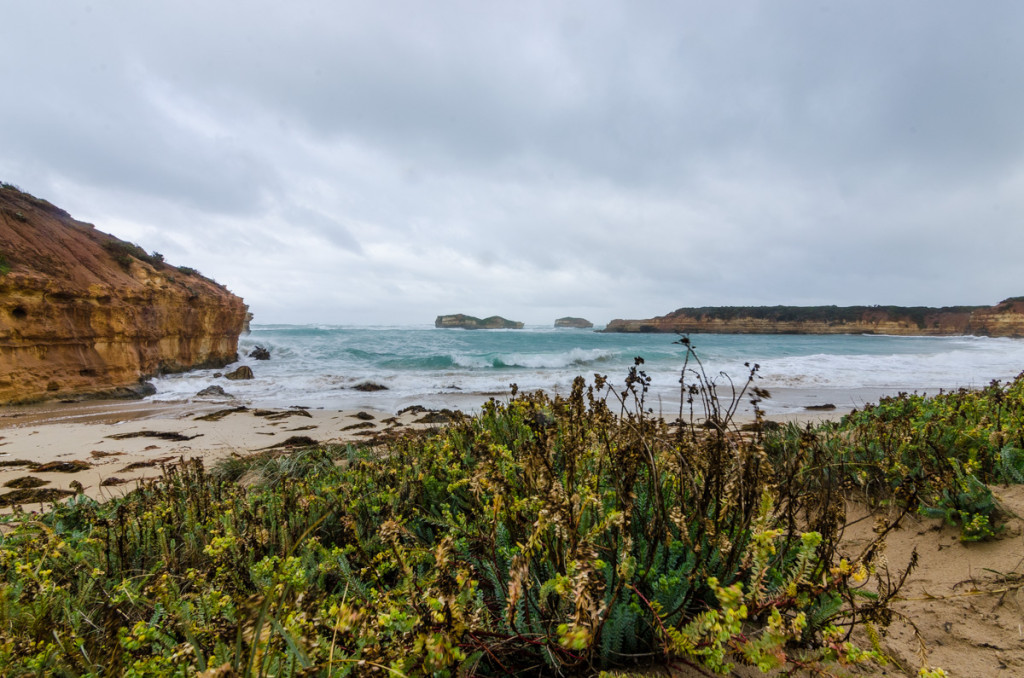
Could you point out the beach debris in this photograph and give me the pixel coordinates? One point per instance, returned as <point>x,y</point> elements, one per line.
<point>113,480</point>
<point>766,425</point>
<point>62,467</point>
<point>295,441</point>
<point>827,407</point>
<point>149,463</point>
<point>214,391</point>
<point>364,416</point>
<point>17,462</point>
<point>99,454</point>
<point>412,409</point>
<point>260,353</point>
<point>308,427</point>
<point>134,466</point>
<point>46,495</point>
<point>220,414</point>
<point>362,424</point>
<point>274,415</point>
<point>368,386</point>
<point>243,372</point>
<point>26,483</point>
<point>162,435</point>
<point>391,421</point>
<point>77,487</point>
<point>436,417</point>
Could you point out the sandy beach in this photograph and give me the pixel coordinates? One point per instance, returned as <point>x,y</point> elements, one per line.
<point>107,447</point>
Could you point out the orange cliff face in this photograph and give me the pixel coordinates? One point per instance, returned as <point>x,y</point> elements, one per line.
<point>83,313</point>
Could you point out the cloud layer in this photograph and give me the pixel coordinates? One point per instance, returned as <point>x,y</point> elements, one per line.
<point>385,162</point>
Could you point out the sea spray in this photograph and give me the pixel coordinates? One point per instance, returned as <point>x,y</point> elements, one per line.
<point>317,365</point>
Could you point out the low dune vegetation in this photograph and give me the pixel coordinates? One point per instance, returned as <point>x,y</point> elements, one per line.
<point>544,536</point>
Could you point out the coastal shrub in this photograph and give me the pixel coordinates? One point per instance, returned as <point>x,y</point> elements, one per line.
<point>937,455</point>
<point>5,266</point>
<point>124,252</point>
<point>544,535</point>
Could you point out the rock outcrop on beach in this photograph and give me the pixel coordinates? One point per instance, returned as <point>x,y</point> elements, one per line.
<point>83,313</point>
<point>1005,319</point>
<point>581,323</point>
<point>468,322</point>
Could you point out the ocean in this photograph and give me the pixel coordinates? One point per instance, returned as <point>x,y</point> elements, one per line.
<point>318,366</point>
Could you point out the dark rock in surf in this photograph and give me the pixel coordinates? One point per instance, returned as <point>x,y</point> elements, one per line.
<point>260,353</point>
<point>369,386</point>
<point>214,392</point>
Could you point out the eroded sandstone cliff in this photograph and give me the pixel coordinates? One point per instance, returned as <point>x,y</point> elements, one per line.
<point>1005,319</point>
<point>83,313</point>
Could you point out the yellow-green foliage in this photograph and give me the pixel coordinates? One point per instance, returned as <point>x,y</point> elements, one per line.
<point>541,535</point>
<point>933,454</point>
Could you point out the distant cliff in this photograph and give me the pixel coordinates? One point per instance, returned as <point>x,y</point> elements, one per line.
<point>468,322</point>
<point>1005,319</point>
<point>83,313</point>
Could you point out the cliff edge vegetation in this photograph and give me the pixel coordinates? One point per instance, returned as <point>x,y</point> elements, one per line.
<point>1005,319</point>
<point>83,313</point>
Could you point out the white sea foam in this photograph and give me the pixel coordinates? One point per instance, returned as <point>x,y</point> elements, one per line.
<point>319,365</point>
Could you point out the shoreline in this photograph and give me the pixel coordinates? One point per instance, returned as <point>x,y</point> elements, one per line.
<point>111,446</point>
<point>108,447</point>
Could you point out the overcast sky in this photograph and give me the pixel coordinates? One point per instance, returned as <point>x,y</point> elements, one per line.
<point>385,162</point>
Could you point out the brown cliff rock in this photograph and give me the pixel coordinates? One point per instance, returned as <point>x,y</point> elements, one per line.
<point>83,313</point>
<point>1005,319</point>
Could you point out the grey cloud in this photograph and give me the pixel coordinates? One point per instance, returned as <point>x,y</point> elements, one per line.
<point>622,156</point>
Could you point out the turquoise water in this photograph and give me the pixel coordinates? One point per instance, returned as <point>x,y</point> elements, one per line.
<point>317,365</point>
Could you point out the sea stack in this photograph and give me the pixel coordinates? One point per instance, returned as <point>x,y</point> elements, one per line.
<point>468,322</point>
<point>579,323</point>
<point>84,314</point>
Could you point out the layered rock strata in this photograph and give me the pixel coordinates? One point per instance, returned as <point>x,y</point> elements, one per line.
<point>83,313</point>
<point>1005,319</point>
<point>468,322</point>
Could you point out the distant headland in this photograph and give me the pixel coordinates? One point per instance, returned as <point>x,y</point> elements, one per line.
<point>468,322</point>
<point>1005,319</point>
